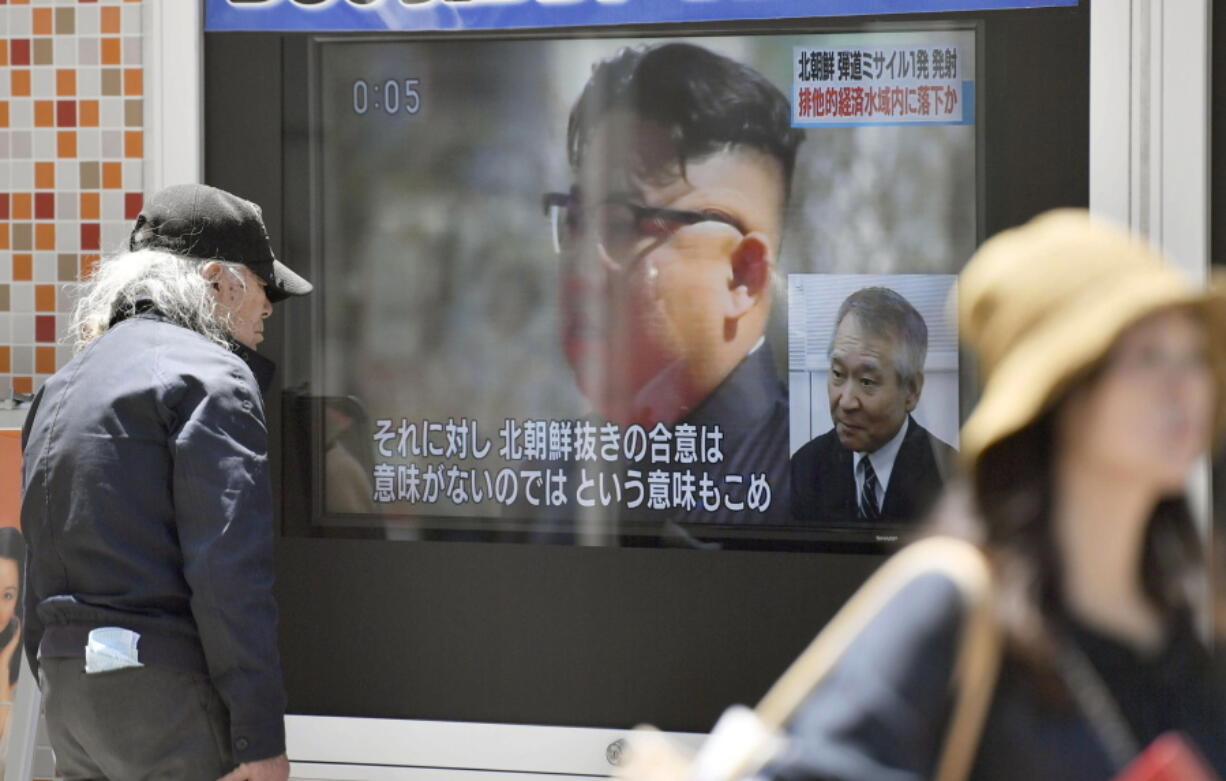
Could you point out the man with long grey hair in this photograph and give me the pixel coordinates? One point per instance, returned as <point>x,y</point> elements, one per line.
<point>148,510</point>
<point>877,465</point>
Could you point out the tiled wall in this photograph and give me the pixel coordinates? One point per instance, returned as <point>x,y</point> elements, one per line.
<point>71,144</point>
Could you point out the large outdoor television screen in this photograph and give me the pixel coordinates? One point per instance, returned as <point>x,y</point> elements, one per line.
<point>684,291</point>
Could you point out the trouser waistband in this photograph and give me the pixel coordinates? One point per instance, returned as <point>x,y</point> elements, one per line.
<point>176,653</point>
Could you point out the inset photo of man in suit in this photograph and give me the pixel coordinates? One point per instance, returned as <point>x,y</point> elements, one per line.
<point>875,464</point>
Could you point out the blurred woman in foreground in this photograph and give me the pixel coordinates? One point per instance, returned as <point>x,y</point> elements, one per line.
<point>1104,375</point>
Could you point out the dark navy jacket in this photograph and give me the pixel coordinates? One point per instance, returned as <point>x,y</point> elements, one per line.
<point>147,505</point>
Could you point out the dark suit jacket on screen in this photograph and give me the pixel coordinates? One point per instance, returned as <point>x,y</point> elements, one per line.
<point>824,486</point>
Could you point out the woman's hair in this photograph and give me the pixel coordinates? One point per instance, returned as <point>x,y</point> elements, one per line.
<point>172,283</point>
<point>1012,497</point>
<point>13,546</point>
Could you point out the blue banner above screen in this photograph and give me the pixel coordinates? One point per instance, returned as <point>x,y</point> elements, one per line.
<point>374,15</point>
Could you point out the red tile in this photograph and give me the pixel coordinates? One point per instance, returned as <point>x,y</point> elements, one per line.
<point>19,51</point>
<point>91,235</point>
<point>132,204</point>
<point>4,206</point>
<point>44,206</point>
<point>44,328</point>
<point>66,113</point>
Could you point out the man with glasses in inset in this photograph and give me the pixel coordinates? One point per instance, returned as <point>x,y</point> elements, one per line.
<point>669,239</point>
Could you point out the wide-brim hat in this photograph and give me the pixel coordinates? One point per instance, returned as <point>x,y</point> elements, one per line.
<point>204,222</point>
<point>1042,304</point>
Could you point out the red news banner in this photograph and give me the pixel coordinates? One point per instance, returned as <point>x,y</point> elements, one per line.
<point>880,85</point>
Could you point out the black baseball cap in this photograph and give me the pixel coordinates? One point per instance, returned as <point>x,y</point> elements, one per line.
<point>211,224</point>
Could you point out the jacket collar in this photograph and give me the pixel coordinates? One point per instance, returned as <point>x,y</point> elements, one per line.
<point>262,368</point>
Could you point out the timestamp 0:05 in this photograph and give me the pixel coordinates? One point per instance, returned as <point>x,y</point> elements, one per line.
<point>391,96</point>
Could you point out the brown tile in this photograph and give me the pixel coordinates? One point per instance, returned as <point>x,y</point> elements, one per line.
<point>44,113</point>
<point>110,20</point>
<point>133,81</point>
<point>44,235</point>
<point>6,360</point>
<point>66,267</point>
<point>90,206</point>
<point>112,81</point>
<point>4,298</point>
<point>42,51</point>
<point>23,236</point>
<point>112,176</point>
<point>44,176</point>
<point>91,177</point>
<point>65,21</point>
<point>111,54</point>
<point>133,114</point>
<point>19,82</point>
<point>42,21</point>
<point>66,82</point>
<point>44,360</point>
<point>66,143</point>
<point>23,206</point>
<point>44,298</point>
<point>23,267</point>
<point>89,113</point>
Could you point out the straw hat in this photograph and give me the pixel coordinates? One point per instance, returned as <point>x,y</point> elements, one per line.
<point>1043,303</point>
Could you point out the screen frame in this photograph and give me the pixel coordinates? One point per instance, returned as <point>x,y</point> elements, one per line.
<point>301,493</point>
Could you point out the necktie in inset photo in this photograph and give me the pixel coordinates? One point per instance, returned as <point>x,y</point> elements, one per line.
<point>869,509</point>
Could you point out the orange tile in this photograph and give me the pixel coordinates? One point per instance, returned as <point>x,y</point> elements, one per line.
<point>89,206</point>
<point>66,143</point>
<point>6,359</point>
<point>44,176</point>
<point>112,176</point>
<point>133,144</point>
<point>44,298</point>
<point>44,360</point>
<point>44,113</point>
<point>88,110</point>
<point>66,81</point>
<point>23,385</point>
<point>133,82</point>
<point>4,53</point>
<point>23,267</point>
<point>23,206</point>
<point>88,264</point>
<point>19,2</point>
<point>44,235</point>
<point>19,83</point>
<point>4,235</point>
<point>111,53</point>
<point>42,21</point>
<point>4,113</point>
<point>110,20</point>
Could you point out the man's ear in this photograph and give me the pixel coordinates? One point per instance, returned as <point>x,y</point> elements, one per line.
<point>752,260</point>
<point>914,389</point>
<point>212,272</point>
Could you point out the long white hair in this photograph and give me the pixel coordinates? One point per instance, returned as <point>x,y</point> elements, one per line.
<point>172,283</point>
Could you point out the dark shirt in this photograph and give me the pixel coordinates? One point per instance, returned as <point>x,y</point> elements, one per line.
<point>750,410</point>
<point>824,482</point>
<point>147,505</point>
<point>881,713</point>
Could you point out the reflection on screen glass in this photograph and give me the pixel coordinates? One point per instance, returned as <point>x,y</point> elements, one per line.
<point>665,292</point>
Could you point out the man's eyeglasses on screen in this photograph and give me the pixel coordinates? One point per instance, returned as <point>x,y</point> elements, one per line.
<point>618,226</point>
